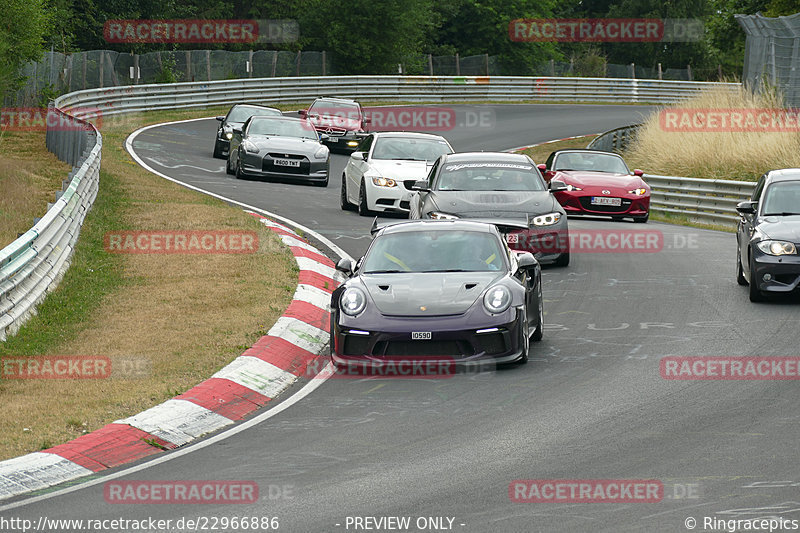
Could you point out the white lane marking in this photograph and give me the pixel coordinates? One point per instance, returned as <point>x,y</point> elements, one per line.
<point>159,163</point>
<point>307,389</point>
<point>177,421</point>
<point>35,471</point>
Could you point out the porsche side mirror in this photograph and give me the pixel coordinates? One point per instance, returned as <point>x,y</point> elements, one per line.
<point>746,208</point>
<point>345,265</point>
<point>556,186</point>
<point>220,118</point>
<point>638,172</point>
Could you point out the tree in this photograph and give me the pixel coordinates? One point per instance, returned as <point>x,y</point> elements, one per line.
<point>22,29</point>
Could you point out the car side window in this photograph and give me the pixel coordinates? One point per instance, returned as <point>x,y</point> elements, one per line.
<point>549,162</point>
<point>432,173</point>
<point>365,144</point>
<point>759,189</point>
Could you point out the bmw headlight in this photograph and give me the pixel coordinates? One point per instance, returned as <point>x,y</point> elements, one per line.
<point>641,191</point>
<point>353,301</point>
<point>384,182</point>
<point>438,215</point>
<point>546,220</point>
<point>322,153</point>
<point>777,247</point>
<point>229,135</point>
<point>250,147</point>
<point>497,299</point>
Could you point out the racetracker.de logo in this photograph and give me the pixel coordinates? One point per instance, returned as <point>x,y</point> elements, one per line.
<point>586,491</point>
<point>730,368</point>
<point>181,242</point>
<point>55,367</point>
<point>42,119</point>
<point>180,492</point>
<point>605,30</point>
<point>586,241</point>
<point>390,367</point>
<point>729,120</point>
<point>200,31</point>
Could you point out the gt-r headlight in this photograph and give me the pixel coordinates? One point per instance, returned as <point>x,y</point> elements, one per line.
<point>641,191</point>
<point>353,301</point>
<point>438,215</point>
<point>322,153</point>
<point>497,299</point>
<point>250,147</point>
<point>571,188</point>
<point>384,182</point>
<point>777,247</point>
<point>546,220</point>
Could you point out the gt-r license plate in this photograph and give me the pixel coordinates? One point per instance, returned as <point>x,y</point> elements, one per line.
<point>287,163</point>
<point>420,335</point>
<point>603,200</point>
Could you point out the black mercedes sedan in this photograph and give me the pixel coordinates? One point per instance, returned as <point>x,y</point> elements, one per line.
<point>235,117</point>
<point>279,147</point>
<point>768,235</point>
<point>432,290</point>
<point>499,186</point>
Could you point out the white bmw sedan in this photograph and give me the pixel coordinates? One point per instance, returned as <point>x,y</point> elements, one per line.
<point>373,179</point>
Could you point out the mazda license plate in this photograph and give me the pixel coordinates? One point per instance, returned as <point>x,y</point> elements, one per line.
<point>603,200</point>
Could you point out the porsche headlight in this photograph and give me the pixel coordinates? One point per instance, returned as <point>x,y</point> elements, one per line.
<point>438,215</point>
<point>497,299</point>
<point>250,147</point>
<point>384,182</point>
<point>546,220</point>
<point>641,191</point>
<point>353,301</point>
<point>322,153</point>
<point>777,247</point>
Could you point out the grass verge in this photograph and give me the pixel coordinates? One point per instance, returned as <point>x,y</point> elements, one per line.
<point>180,317</point>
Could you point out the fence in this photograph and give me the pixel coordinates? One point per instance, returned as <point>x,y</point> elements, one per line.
<point>772,53</point>
<point>33,264</point>
<point>704,200</point>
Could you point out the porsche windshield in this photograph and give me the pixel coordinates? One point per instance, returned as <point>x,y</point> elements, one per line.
<point>592,162</point>
<point>281,128</point>
<point>434,251</point>
<point>413,149</point>
<point>490,176</point>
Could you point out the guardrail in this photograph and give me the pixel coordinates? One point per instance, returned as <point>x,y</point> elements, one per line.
<point>133,98</point>
<point>33,264</point>
<point>704,200</point>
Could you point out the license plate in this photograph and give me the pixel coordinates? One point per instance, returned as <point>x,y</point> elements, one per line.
<point>287,163</point>
<point>512,238</point>
<point>603,200</point>
<point>333,139</point>
<point>420,335</point>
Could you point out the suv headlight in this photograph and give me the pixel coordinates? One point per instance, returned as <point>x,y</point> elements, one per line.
<point>546,220</point>
<point>353,301</point>
<point>384,182</point>
<point>250,147</point>
<point>438,215</point>
<point>497,299</point>
<point>322,153</point>
<point>641,191</point>
<point>777,247</point>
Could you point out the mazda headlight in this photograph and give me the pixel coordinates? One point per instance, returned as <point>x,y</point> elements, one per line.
<point>641,191</point>
<point>438,215</point>
<point>250,147</point>
<point>777,247</point>
<point>571,188</point>
<point>322,153</point>
<point>384,182</point>
<point>546,220</point>
<point>353,301</point>
<point>497,299</point>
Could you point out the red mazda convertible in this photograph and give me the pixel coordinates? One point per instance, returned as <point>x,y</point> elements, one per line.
<point>598,183</point>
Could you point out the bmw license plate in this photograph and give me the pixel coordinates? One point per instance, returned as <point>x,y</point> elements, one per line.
<point>287,163</point>
<point>603,200</point>
<point>420,335</point>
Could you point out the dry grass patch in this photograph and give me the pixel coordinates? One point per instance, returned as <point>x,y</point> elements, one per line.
<point>29,178</point>
<point>716,154</point>
<point>184,316</point>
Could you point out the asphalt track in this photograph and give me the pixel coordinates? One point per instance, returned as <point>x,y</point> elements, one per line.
<point>591,404</point>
